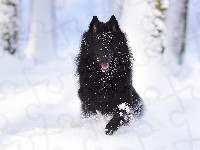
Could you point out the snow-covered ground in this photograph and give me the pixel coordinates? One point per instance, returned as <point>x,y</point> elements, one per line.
<point>40,110</point>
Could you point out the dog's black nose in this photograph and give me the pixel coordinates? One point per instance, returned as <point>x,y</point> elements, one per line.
<point>105,60</point>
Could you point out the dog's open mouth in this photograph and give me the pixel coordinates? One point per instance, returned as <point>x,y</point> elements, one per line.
<point>104,66</point>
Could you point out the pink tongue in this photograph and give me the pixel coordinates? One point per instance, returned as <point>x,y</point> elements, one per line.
<point>104,66</point>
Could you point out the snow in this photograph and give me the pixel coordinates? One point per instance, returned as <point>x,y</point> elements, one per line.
<point>40,109</point>
<point>124,106</point>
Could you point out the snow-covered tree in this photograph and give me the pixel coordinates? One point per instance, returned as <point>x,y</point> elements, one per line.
<point>9,25</point>
<point>157,20</point>
<point>176,22</point>
<point>40,46</point>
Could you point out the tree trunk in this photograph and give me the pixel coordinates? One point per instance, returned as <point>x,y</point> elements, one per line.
<point>176,22</point>
<point>184,17</point>
<point>40,46</point>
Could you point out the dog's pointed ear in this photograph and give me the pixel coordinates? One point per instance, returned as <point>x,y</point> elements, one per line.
<point>94,24</point>
<point>113,23</point>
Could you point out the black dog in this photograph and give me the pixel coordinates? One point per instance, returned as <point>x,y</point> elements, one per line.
<point>105,74</point>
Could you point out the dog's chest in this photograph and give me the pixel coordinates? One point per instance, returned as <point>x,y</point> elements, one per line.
<point>104,89</point>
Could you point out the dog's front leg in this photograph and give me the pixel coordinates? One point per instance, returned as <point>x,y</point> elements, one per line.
<point>122,116</point>
<point>86,102</point>
<point>113,124</point>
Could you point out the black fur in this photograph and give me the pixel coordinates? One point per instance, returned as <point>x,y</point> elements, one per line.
<point>107,89</point>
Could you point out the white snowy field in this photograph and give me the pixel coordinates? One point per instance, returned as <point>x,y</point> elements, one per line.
<point>40,110</point>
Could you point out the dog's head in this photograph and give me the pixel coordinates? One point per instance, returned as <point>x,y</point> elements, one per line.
<point>104,40</point>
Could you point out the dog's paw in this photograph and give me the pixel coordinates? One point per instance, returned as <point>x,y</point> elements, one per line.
<point>109,132</point>
<point>110,129</point>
